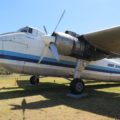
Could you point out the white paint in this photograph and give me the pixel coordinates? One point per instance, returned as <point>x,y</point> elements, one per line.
<point>34,45</point>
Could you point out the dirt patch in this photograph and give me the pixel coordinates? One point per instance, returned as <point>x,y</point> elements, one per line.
<point>21,101</point>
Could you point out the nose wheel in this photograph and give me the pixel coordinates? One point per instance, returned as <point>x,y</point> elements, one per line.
<point>77,86</point>
<point>34,80</point>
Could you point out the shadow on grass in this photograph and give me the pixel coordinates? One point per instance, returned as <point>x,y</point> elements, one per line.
<point>99,102</point>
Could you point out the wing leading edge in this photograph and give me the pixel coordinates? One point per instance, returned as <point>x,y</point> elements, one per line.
<point>107,40</point>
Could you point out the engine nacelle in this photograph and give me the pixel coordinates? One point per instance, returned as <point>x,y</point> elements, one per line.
<point>71,44</point>
<point>64,43</point>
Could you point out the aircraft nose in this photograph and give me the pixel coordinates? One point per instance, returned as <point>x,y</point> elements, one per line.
<point>3,37</point>
<point>3,41</point>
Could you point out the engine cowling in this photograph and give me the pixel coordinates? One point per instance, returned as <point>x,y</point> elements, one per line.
<point>72,44</point>
<point>64,43</point>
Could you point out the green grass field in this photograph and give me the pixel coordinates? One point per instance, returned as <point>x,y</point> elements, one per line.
<point>21,101</point>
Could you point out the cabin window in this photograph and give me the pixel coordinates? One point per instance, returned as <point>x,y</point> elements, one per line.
<point>117,66</point>
<point>111,65</point>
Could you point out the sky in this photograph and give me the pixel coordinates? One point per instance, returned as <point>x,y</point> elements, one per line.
<point>82,16</point>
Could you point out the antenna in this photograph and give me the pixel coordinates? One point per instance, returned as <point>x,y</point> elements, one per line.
<point>45,29</point>
<point>59,21</point>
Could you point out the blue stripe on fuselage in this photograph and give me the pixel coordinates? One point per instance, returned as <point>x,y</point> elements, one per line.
<point>50,61</point>
<point>34,59</point>
<point>102,69</point>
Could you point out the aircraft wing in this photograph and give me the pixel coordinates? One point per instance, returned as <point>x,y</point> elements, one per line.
<point>107,40</point>
<point>91,46</point>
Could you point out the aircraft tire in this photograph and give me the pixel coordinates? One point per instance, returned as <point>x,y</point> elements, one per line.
<point>34,80</point>
<point>77,86</point>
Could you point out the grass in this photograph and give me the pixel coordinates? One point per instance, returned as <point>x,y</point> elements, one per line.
<point>21,101</point>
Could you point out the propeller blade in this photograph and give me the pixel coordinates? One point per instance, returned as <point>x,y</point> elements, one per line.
<point>59,21</point>
<point>54,51</point>
<point>45,29</point>
<point>43,54</point>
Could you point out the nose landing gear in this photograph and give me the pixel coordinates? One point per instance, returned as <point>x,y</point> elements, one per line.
<point>34,80</point>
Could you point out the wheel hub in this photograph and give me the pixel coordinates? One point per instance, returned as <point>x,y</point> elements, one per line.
<point>79,86</point>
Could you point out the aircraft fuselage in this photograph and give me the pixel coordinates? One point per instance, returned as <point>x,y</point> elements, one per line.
<point>23,53</point>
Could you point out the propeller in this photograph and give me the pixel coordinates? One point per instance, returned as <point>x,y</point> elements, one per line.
<point>49,41</point>
<point>54,51</point>
<point>59,21</point>
<point>45,30</point>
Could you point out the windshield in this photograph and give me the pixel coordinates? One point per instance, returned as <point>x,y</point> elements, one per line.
<point>23,30</point>
<point>26,30</point>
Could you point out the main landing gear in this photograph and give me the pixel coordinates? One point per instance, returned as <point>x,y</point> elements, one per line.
<point>77,85</point>
<point>34,80</point>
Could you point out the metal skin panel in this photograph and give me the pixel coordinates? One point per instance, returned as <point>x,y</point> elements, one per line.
<point>64,43</point>
<point>107,40</point>
<point>46,70</point>
<point>25,60</point>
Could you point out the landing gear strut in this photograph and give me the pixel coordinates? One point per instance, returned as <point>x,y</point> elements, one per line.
<point>77,85</point>
<point>34,80</point>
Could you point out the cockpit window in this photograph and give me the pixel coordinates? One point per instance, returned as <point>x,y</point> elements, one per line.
<point>26,30</point>
<point>30,30</point>
<point>23,30</point>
